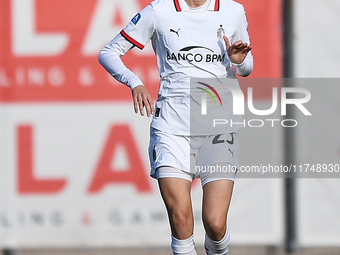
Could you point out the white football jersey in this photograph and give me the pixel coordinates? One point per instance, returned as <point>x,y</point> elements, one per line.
<point>188,43</point>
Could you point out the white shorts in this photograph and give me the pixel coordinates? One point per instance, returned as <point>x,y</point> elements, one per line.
<point>208,157</point>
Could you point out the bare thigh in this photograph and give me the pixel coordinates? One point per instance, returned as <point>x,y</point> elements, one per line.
<point>177,198</point>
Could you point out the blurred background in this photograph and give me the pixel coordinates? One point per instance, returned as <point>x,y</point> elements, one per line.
<point>74,170</point>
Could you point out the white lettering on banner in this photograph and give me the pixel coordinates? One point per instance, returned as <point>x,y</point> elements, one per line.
<point>86,77</point>
<point>4,81</point>
<point>20,76</point>
<point>101,28</point>
<point>33,76</point>
<point>56,76</point>
<point>26,41</point>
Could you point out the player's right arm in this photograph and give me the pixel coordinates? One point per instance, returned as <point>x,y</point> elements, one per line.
<point>137,33</point>
<point>110,58</point>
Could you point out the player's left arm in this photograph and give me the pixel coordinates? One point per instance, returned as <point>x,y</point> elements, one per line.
<point>239,51</point>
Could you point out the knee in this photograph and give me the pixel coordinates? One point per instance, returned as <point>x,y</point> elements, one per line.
<point>181,218</point>
<point>182,223</point>
<point>215,227</point>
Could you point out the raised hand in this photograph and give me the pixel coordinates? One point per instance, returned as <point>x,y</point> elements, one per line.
<point>238,51</point>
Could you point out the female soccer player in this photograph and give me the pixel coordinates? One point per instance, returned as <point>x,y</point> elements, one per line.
<point>186,36</point>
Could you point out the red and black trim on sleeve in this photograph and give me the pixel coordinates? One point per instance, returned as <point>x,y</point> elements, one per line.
<point>131,40</point>
<point>217,5</point>
<point>177,6</point>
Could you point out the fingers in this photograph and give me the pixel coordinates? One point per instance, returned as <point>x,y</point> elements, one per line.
<point>240,48</point>
<point>239,44</point>
<point>141,100</point>
<point>141,104</point>
<point>237,47</point>
<point>226,40</point>
<point>244,49</point>
<point>148,104</point>
<point>238,52</point>
<point>248,48</point>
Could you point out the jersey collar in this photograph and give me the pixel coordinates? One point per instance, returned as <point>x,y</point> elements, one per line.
<point>181,5</point>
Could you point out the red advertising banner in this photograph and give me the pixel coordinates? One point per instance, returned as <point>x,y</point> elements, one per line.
<point>73,154</point>
<point>49,48</point>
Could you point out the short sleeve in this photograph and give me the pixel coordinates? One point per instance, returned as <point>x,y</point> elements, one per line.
<point>141,27</point>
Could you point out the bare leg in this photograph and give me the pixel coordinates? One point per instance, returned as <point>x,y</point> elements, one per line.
<point>216,201</point>
<point>177,199</point>
<point>176,196</point>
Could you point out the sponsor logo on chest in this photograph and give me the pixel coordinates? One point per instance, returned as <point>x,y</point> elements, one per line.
<point>195,54</point>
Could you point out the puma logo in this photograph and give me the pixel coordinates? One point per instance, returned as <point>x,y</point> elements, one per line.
<point>232,153</point>
<point>174,31</point>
